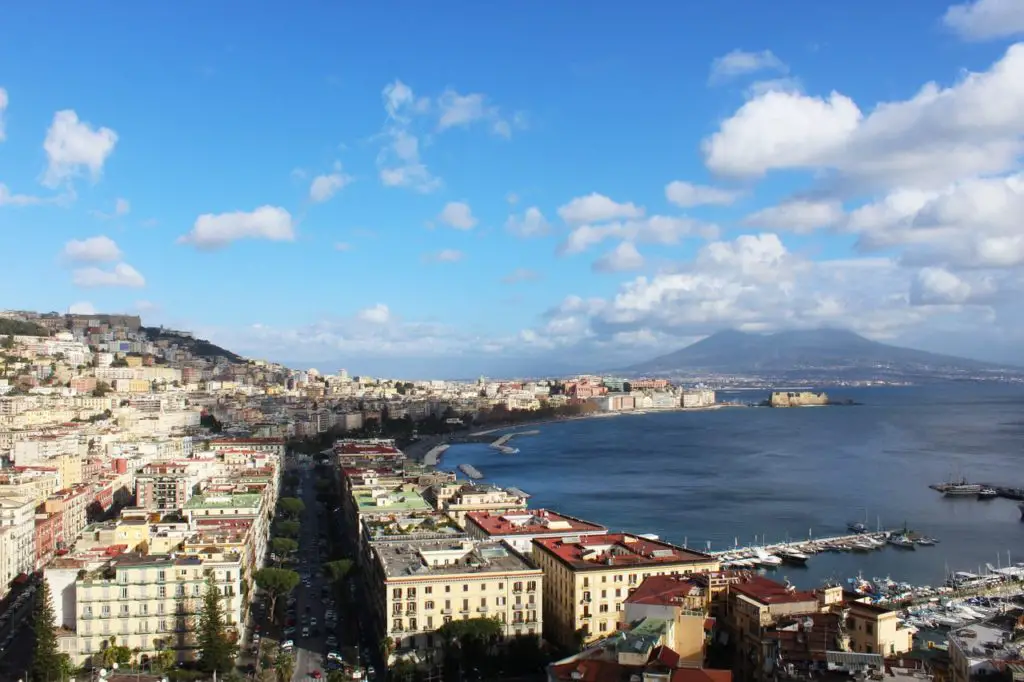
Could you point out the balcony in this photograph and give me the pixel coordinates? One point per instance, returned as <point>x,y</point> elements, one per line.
<point>518,607</point>
<point>482,609</point>
<point>446,612</point>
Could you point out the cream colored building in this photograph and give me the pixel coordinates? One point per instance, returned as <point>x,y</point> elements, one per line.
<point>588,578</point>
<point>877,630</point>
<point>417,587</point>
<point>18,514</point>
<point>458,499</point>
<point>150,602</point>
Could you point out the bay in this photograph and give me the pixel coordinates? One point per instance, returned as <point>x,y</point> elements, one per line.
<point>743,474</point>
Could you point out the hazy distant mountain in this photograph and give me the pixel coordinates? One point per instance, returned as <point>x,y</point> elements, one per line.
<point>809,353</point>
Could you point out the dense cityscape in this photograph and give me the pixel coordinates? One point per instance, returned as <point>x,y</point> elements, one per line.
<point>171,510</point>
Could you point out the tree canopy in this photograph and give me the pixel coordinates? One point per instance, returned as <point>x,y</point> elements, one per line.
<point>218,648</point>
<point>292,506</point>
<point>288,529</point>
<point>276,582</point>
<point>338,569</point>
<point>283,545</point>
<point>47,661</point>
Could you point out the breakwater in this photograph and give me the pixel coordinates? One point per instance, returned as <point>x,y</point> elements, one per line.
<point>471,471</point>
<point>432,457</point>
<point>501,445</point>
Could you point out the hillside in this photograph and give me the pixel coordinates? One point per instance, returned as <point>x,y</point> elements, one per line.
<point>21,328</point>
<point>200,347</point>
<point>808,354</point>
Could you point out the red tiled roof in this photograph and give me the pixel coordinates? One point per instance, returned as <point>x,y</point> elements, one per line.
<point>366,449</point>
<point>768,591</point>
<point>618,549</point>
<point>664,656</point>
<point>701,675</point>
<point>531,522</point>
<point>588,671</point>
<point>663,590</point>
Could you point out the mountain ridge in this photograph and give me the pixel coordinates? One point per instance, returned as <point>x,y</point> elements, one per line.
<point>808,352</point>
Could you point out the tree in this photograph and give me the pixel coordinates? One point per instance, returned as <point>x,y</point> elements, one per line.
<point>284,666</point>
<point>288,529</point>
<point>276,582</point>
<point>283,546</point>
<point>218,650</point>
<point>467,642</point>
<point>47,661</point>
<point>102,389</point>
<point>336,570</point>
<point>164,659</point>
<point>292,506</point>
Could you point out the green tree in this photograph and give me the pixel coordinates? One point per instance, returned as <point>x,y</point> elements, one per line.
<point>284,666</point>
<point>283,546</point>
<point>102,389</point>
<point>288,529</point>
<point>276,582</point>
<point>217,648</point>
<point>164,659</point>
<point>468,642</point>
<point>47,661</point>
<point>292,506</point>
<point>338,569</point>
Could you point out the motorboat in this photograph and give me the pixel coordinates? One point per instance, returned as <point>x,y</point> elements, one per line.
<point>857,527</point>
<point>767,560</point>
<point>925,542</point>
<point>901,541</point>
<point>793,557</point>
<point>987,494</point>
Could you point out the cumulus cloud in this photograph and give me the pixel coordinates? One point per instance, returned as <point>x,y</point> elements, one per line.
<point>8,198</point>
<point>216,230</point>
<point>457,214</point>
<point>444,256</point>
<point>73,147</point>
<point>531,223</point>
<point>687,195</point>
<point>973,127</point>
<point>326,186</point>
<point>655,229</point>
<point>938,286</point>
<point>596,208</point>
<point>121,275</point>
<point>986,19</point>
<point>797,216</point>
<point>377,314</point>
<point>100,249</point>
<point>741,63</point>
<point>82,308</point>
<point>622,258</point>
<point>399,162</point>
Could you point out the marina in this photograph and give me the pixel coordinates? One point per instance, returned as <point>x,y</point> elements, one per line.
<point>982,491</point>
<point>798,552</point>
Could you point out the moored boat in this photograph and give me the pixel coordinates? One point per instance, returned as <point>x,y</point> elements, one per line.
<point>901,541</point>
<point>793,557</point>
<point>857,527</point>
<point>987,494</point>
<point>962,488</point>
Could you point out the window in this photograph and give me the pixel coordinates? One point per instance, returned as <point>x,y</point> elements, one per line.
<point>586,582</point>
<point>397,593</point>
<point>465,605</point>
<point>428,606</point>
<point>160,609</point>
<point>410,593</point>
<point>869,628</point>
<point>483,601</point>
<point>396,608</point>
<point>428,590</point>
<point>604,594</point>
<point>106,610</point>
<point>501,586</point>
<point>144,608</point>
<point>447,588</point>
<point>465,587</point>
<point>124,593</point>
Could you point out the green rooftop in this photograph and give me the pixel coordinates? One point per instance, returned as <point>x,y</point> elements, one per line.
<point>643,636</point>
<point>225,501</point>
<point>369,502</point>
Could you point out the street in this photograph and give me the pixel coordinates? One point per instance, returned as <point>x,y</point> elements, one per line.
<point>310,604</point>
<point>16,631</point>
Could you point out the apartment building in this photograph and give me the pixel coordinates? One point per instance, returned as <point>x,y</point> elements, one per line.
<point>678,605</point>
<point>875,629</point>
<point>273,446</point>
<point>520,528</point>
<point>417,587</point>
<point>588,578</point>
<point>458,499</point>
<point>164,486</point>
<point>18,515</point>
<point>150,602</point>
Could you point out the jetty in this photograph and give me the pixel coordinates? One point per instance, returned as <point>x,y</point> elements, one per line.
<point>432,457</point>
<point>471,471</point>
<point>739,557</point>
<point>1007,492</point>
<point>501,444</point>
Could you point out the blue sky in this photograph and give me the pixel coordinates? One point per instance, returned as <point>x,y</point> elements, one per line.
<point>389,186</point>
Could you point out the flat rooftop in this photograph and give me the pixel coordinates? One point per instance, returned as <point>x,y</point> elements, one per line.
<point>665,590</point>
<point>617,550</point>
<point>365,448</point>
<point>223,501</point>
<point>449,557</point>
<point>530,522</point>
<point>394,501</point>
<point>768,591</point>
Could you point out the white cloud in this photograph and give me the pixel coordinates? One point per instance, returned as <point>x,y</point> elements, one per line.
<point>797,216</point>
<point>938,286</point>
<point>622,258</point>
<point>378,314</point>
<point>521,275</point>
<point>216,230</point>
<point>655,229</point>
<point>787,84</point>
<point>939,135</point>
<point>457,214</point>
<point>100,249</point>
<point>986,19</point>
<point>597,208</point>
<point>444,256</point>
<point>342,246</point>
<point>122,275</point>
<point>531,224</point>
<point>399,163</point>
<point>687,195</point>
<point>7,198</point>
<point>465,110</point>
<point>3,109</point>
<point>326,186</point>
<point>74,146</point>
<point>82,308</point>
<point>741,63</point>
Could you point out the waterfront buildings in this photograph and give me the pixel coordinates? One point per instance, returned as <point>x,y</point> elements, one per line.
<point>590,577</point>
<point>520,528</point>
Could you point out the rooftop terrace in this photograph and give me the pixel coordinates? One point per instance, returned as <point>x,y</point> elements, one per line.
<point>449,557</point>
<point>383,501</point>
<point>530,522</point>
<point>618,550</point>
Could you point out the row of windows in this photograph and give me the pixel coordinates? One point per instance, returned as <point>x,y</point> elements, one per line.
<point>410,607</point>
<point>518,618</point>
<point>410,592</point>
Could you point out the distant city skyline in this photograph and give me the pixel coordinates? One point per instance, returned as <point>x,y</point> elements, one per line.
<point>522,190</point>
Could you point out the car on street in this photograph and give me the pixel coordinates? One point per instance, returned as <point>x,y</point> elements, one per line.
<point>312,621</point>
<point>287,644</point>
<point>332,641</point>
<point>305,633</point>
<point>290,630</point>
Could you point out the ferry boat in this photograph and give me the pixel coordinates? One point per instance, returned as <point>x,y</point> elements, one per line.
<point>987,494</point>
<point>962,488</point>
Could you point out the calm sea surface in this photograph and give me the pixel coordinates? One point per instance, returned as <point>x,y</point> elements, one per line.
<point>735,474</point>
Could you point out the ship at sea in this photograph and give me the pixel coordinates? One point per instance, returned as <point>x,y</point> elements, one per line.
<point>962,488</point>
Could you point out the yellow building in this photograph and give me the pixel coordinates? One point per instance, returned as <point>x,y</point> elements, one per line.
<point>417,587</point>
<point>150,602</point>
<point>588,578</point>
<point>877,630</point>
<point>458,499</point>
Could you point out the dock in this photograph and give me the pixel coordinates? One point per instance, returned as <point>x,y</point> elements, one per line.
<point>852,542</point>
<point>1006,492</point>
<point>471,471</point>
<point>432,457</point>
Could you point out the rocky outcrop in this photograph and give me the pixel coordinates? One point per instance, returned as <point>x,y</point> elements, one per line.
<point>797,398</point>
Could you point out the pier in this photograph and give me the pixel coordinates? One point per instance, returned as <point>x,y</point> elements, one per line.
<point>501,444</point>
<point>471,471</point>
<point>852,542</point>
<point>432,457</point>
